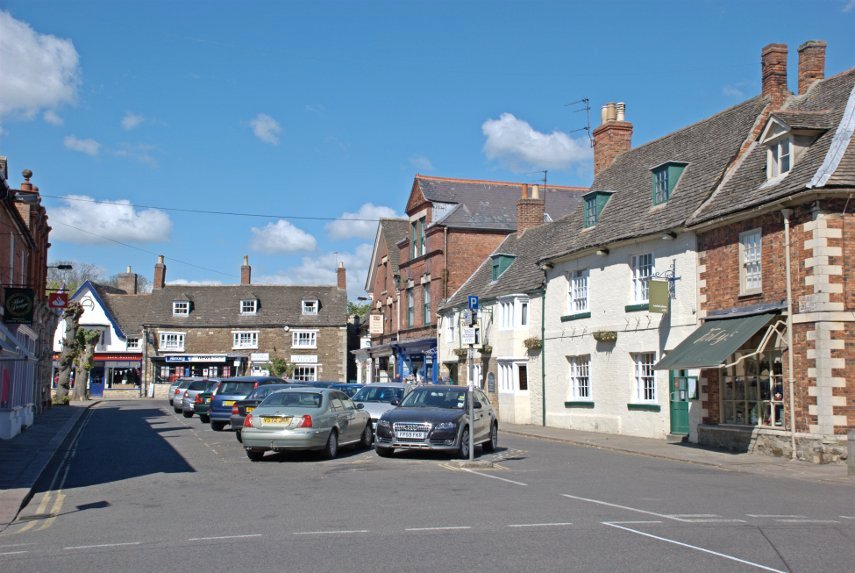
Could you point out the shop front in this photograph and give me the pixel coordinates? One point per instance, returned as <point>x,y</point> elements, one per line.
<point>171,367</point>
<point>382,366</point>
<point>416,361</point>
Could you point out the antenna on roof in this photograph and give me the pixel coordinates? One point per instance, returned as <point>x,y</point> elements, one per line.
<point>586,107</point>
<point>545,175</point>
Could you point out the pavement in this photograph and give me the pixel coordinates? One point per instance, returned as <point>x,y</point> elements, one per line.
<point>24,458</point>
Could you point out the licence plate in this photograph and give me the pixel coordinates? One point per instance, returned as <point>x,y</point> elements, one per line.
<point>276,420</point>
<point>411,435</point>
<point>249,409</point>
<point>228,402</point>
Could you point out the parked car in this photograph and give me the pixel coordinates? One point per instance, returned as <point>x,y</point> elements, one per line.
<point>436,417</point>
<point>378,397</point>
<point>243,407</point>
<point>202,404</point>
<point>305,419</point>
<point>349,388</point>
<point>188,403</point>
<point>176,391</point>
<point>229,391</point>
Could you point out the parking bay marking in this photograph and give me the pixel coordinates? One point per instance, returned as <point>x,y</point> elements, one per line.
<point>695,547</point>
<point>104,545</point>
<point>14,552</point>
<point>448,528</point>
<point>539,524</point>
<point>224,537</point>
<point>494,477</point>
<point>331,532</point>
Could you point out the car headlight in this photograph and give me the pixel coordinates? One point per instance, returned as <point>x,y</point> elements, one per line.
<point>384,424</point>
<point>444,426</point>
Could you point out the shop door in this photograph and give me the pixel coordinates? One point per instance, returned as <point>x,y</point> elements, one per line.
<point>679,385</point>
<point>96,382</point>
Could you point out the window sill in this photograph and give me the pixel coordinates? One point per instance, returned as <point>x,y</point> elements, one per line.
<point>579,404</point>
<point>637,307</point>
<point>644,407</point>
<point>577,316</point>
<point>750,294</point>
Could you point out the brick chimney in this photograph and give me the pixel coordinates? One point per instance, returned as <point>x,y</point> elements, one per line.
<point>341,276</point>
<point>127,281</point>
<point>773,63</point>
<point>613,137</point>
<point>530,209</point>
<point>245,272</point>
<point>811,63</point>
<point>159,274</point>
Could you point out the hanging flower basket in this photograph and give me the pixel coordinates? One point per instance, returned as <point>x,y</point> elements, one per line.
<point>461,353</point>
<point>533,344</point>
<point>605,336</point>
<point>486,349</point>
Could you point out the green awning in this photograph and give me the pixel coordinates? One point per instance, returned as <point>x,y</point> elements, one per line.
<point>711,344</point>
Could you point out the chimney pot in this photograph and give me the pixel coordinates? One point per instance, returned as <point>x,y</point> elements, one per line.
<point>811,63</point>
<point>613,137</point>
<point>621,111</point>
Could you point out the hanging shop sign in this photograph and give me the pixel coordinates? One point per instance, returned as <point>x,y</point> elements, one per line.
<point>660,297</point>
<point>18,306</point>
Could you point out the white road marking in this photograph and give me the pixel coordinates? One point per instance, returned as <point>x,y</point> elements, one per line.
<point>807,521</point>
<point>14,552</point>
<point>104,545</point>
<point>539,524</point>
<point>224,537</point>
<point>694,515</point>
<point>331,532</point>
<point>623,507</point>
<point>681,544</point>
<point>494,477</point>
<point>714,520</point>
<point>635,522</point>
<point>773,516</point>
<point>847,517</point>
<point>15,545</point>
<point>438,528</point>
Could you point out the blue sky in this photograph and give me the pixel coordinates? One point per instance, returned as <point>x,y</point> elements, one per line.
<point>301,123</point>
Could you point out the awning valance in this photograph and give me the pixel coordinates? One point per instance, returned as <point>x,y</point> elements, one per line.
<point>711,344</point>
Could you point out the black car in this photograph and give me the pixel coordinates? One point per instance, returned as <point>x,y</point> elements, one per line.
<point>243,407</point>
<point>436,417</point>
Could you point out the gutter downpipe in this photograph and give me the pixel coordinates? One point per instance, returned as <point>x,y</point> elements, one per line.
<point>787,213</point>
<point>543,350</point>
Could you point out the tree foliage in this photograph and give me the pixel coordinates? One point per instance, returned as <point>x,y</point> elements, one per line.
<point>360,309</point>
<point>281,367</point>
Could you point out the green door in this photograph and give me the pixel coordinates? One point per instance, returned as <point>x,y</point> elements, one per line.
<point>679,385</point>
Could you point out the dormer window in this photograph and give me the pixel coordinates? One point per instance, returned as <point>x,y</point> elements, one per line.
<point>181,308</point>
<point>665,178</point>
<point>248,306</point>
<point>310,307</point>
<point>594,203</point>
<point>779,159</point>
<point>500,264</point>
<point>788,135</point>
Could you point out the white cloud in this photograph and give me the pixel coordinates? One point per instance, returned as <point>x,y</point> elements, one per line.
<point>281,237</point>
<point>266,128</point>
<point>82,220</point>
<point>52,117</point>
<point>362,224</point>
<point>732,91</point>
<point>194,283</point>
<point>850,6</point>
<point>321,270</point>
<point>39,70</point>
<point>421,163</point>
<point>131,120</point>
<point>520,147</point>
<point>87,146</point>
<point>140,152</point>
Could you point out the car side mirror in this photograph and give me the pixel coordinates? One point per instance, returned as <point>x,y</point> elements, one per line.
<point>394,402</point>
<point>360,406</point>
<point>476,404</point>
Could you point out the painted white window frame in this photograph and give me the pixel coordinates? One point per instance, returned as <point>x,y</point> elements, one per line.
<point>451,327</point>
<point>303,338</point>
<point>524,312</point>
<point>779,156</point>
<point>642,267</point>
<point>132,343</point>
<point>426,304</point>
<point>411,308</point>
<point>578,291</point>
<point>509,375</point>
<point>248,306</point>
<point>305,373</point>
<point>171,341</point>
<point>310,307</point>
<point>180,308</point>
<point>244,339</point>
<point>644,378</point>
<point>580,378</point>
<point>750,261</point>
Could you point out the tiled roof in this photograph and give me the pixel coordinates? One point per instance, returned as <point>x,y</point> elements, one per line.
<point>492,204</point>
<point>707,148</point>
<point>394,230</point>
<point>748,187</point>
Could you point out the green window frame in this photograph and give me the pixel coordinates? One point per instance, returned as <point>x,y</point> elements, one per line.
<point>595,201</point>
<point>664,180</point>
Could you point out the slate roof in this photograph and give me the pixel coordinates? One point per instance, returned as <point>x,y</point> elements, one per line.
<point>748,187</point>
<point>707,148</point>
<point>492,204</point>
<point>219,307</point>
<point>394,230</point>
<point>522,276</point>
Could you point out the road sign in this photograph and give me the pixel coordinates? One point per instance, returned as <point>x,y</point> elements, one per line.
<point>467,335</point>
<point>473,302</point>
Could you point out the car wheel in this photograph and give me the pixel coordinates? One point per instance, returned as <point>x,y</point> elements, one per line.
<point>490,445</point>
<point>367,436</point>
<point>463,448</point>
<point>187,414</point>
<point>204,419</point>
<point>255,455</point>
<point>177,410</point>
<point>218,426</point>
<point>384,452</point>
<point>238,436</point>
<point>331,449</point>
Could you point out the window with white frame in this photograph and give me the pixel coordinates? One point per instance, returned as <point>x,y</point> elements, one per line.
<point>642,269</point>
<point>305,373</point>
<point>304,339</point>
<point>580,377</point>
<point>426,303</point>
<point>451,327</point>
<point>750,268</point>
<point>133,343</point>
<point>245,339</point>
<point>248,306</point>
<point>513,376</point>
<point>411,308</point>
<point>310,307</point>
<point>578,281</point>
<point>171,341</point>
<point>417,237</point>
<point>180,308</point>
<point>779,158</point>
<point>645,381</point>
<point>506,312</point>
<point>524,313</point>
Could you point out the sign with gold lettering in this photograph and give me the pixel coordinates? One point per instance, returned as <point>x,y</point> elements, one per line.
<point>18,306</point>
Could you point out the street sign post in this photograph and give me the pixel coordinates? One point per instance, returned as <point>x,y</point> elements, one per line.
<point>468,337</point>
<point>473,302</point>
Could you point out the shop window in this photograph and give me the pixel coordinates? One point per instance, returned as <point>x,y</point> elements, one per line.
<point>753,389</point>
<point>305,373</point>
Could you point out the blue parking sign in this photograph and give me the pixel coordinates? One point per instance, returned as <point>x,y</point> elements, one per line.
<point>473,302</point>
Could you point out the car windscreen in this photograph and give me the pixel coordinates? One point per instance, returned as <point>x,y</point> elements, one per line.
<point>261,392</point>
<point>293,399</point>
<point>198,385</point>
<point>185,383</point>
<point>242,388</point>
<point>435,398</point>
<point>378,394</point>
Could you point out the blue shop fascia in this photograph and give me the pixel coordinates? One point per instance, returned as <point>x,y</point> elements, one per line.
<point>417,358</point>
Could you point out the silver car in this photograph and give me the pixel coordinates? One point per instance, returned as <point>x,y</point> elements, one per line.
<point>188,402</point>
<point>380,397</point>
<point>305,419</point>
<point>176,391</point>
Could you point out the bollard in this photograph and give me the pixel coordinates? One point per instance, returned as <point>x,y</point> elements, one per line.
<point>850,459</point>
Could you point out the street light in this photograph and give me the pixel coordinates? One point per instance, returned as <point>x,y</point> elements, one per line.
<point>62,267</point>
